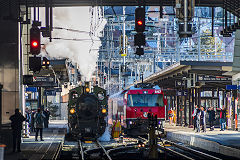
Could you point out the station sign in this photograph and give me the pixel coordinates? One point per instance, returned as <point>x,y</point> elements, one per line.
<point>232,87</point>
<point>182,93</point>
<point>52,91</point>
<point>31,89</point>
<point>207,78</point>
<point>49,93</point>
<point>44,81</point>
<point>180,83</point>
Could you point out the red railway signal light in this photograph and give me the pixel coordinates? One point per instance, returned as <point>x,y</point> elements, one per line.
<point>35,40</point>
<point>34,43</point>
<point>140,19</point>
<point>140,23</point>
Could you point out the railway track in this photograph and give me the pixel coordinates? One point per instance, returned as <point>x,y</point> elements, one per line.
<point>80,149</point>
<point>137,148</point>
<point>106,153</point>
<point>98,144</point>
<point>196,153</point>
<point>180,151</point>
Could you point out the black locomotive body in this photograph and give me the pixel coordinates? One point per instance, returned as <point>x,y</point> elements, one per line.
<point>87,111</point>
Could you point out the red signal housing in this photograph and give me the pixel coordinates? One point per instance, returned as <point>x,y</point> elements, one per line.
<point>140,19</point>
<point>35,40</point>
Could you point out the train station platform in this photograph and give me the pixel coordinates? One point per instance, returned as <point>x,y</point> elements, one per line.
<point>48,149</point>
<point>225,142</point>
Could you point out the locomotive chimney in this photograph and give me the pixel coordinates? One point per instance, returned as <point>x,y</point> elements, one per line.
<point>87,87</point>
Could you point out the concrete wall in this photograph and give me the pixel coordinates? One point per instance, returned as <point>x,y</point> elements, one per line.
<point>9,74</point>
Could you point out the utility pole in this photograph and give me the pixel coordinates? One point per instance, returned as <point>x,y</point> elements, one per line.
<point>119,77</point>
<point>199,40</point>
<point>124,46</point>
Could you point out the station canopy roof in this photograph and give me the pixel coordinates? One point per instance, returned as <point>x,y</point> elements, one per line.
<point>168,77</point>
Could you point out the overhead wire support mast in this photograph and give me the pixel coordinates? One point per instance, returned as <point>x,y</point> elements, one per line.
<point>124,45</point>
<point>185,16</point>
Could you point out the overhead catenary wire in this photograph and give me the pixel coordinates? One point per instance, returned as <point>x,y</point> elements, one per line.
<point>74,39</point>
<point>72,30</point>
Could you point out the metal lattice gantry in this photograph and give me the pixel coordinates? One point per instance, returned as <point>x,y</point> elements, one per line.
<point>164,47</point>
<point>60,3</point>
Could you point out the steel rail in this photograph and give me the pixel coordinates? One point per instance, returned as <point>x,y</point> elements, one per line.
<point>57,153</point>
<point>81,149</point>
<point>202,154</point>
<point>106,153</point>
<point>142,138</point>
<point>175,152</point>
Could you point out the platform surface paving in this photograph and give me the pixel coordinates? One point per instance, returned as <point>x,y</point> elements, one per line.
<point>225,142</point>
<point>47,149</point>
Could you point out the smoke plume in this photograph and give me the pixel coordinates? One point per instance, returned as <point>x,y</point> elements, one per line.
<point>76,35</point>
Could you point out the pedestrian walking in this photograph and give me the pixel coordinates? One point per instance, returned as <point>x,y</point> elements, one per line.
<point>203,118</point>
<point>16,124</point>
<point>39,120</point>
<point>211,119</point>
<point>194,115</point>
<point>46,119</point>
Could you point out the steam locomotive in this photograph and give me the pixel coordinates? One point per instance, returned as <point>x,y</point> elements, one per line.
<point>87,109</point>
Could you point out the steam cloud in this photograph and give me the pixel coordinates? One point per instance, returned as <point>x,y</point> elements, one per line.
<point>83,50</point>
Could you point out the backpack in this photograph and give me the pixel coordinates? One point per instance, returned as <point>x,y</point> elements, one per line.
<point>39,118</point>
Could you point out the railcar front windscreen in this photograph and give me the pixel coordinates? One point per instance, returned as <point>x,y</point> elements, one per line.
<point>145,100</point>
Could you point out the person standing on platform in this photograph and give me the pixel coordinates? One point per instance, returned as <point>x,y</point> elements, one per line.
<point>27,122</point>
<point>32,125</point>
<point>16,124</point>
<point>27,114</point>
<point>211,119</point>
<point>223,119</point>
<point>39,119</point>
<point>194,115</point>
<point>203,118</point>
<point>171,115</point>
<point>198,119</point>
<point>46,119</point>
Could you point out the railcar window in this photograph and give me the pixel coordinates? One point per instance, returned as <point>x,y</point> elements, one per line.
<point>145,100</point>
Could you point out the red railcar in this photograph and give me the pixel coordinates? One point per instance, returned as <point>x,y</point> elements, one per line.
<point>132,106</point>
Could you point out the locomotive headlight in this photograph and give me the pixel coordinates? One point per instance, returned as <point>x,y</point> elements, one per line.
<point>104,110</point>
<point>87,90</point>
<point>72,111</point>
